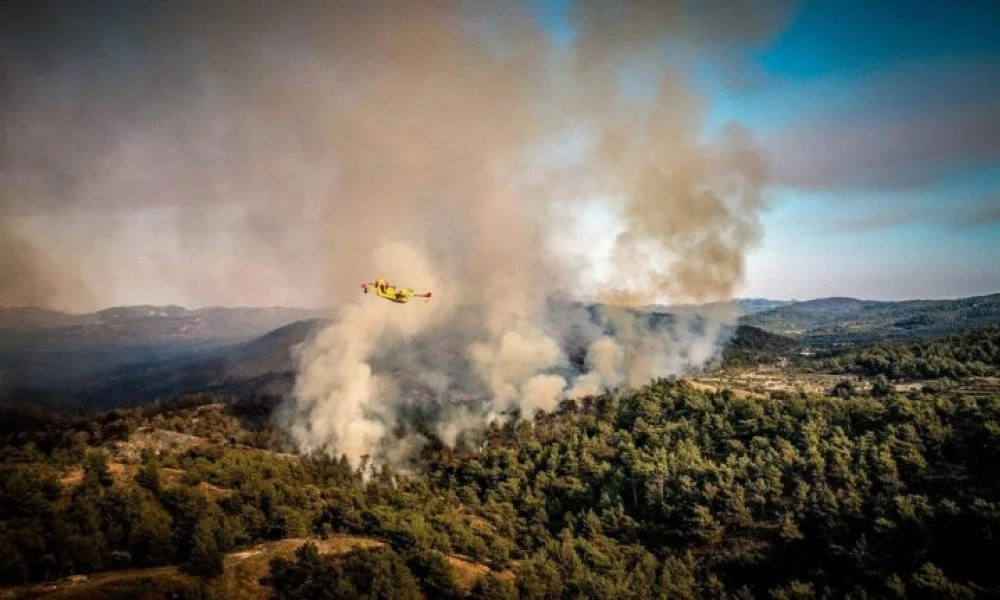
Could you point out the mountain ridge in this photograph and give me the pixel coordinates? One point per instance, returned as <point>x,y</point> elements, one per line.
<point>844,320</point>
<point>62,352</point>
<point>135,353</point>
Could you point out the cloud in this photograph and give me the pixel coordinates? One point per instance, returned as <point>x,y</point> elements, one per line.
<point>985,214</point>
<point>900,129</point>
<point>953,215</point>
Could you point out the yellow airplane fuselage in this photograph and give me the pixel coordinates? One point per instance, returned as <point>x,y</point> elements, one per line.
<point>384,289</point>
<point>389,292</point>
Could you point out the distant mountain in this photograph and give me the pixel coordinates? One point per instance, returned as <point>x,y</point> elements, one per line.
<point>266,365</point>
<point>745,306</point>
<point>849,321</point>
<point>263,365</point>
<point>749,306</point>
<point>144,324</point>
<point>131,355</point>
<point>51,350</point>
<point>32,317</point>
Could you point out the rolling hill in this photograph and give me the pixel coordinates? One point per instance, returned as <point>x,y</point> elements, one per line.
<point>752,345</point>
<point>264,364</point>
<point>53,351</point>
<point>828,322</point>
<point>131,355</point>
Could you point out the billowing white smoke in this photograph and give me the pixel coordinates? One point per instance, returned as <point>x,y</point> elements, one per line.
<point>467,147</point>
<point>212,153</point>
<point>383,379</point>
<point>340,399</point>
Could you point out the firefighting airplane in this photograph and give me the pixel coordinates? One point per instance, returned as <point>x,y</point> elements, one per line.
<point>389,291</point>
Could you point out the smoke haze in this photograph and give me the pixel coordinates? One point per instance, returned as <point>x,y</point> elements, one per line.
<point>251,152</point>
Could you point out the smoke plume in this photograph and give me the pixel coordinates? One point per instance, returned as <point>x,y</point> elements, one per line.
<point>474,151</point>
<point>545,182</point>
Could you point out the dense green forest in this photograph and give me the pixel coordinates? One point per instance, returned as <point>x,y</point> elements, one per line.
<point>667,491</point>
<point>752,346</point>
<point>973,353</point>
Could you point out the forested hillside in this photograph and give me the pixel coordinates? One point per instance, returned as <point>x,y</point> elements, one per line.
<point>831,322</point>
<point>752,346</point>
<point>972,353</point>
<point>666,491</point>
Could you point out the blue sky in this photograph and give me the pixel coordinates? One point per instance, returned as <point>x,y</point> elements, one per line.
<point>882,123</point>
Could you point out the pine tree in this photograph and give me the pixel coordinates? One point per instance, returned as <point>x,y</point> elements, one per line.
<point>205,559</point>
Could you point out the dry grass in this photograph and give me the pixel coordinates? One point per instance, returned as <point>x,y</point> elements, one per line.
<point>466,571</point>
<point>120,472</point>
<point>244,569</point>
<point>138,583</point>
<point>761,382</point>
<point>241,578</point>
<point>123,473</point>
<point>981,387</point>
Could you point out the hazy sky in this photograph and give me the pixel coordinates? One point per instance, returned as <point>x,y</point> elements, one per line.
<point>134,167</point>
<point>882,122</point>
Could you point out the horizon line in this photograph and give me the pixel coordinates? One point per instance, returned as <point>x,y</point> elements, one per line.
<point>331,308</point>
